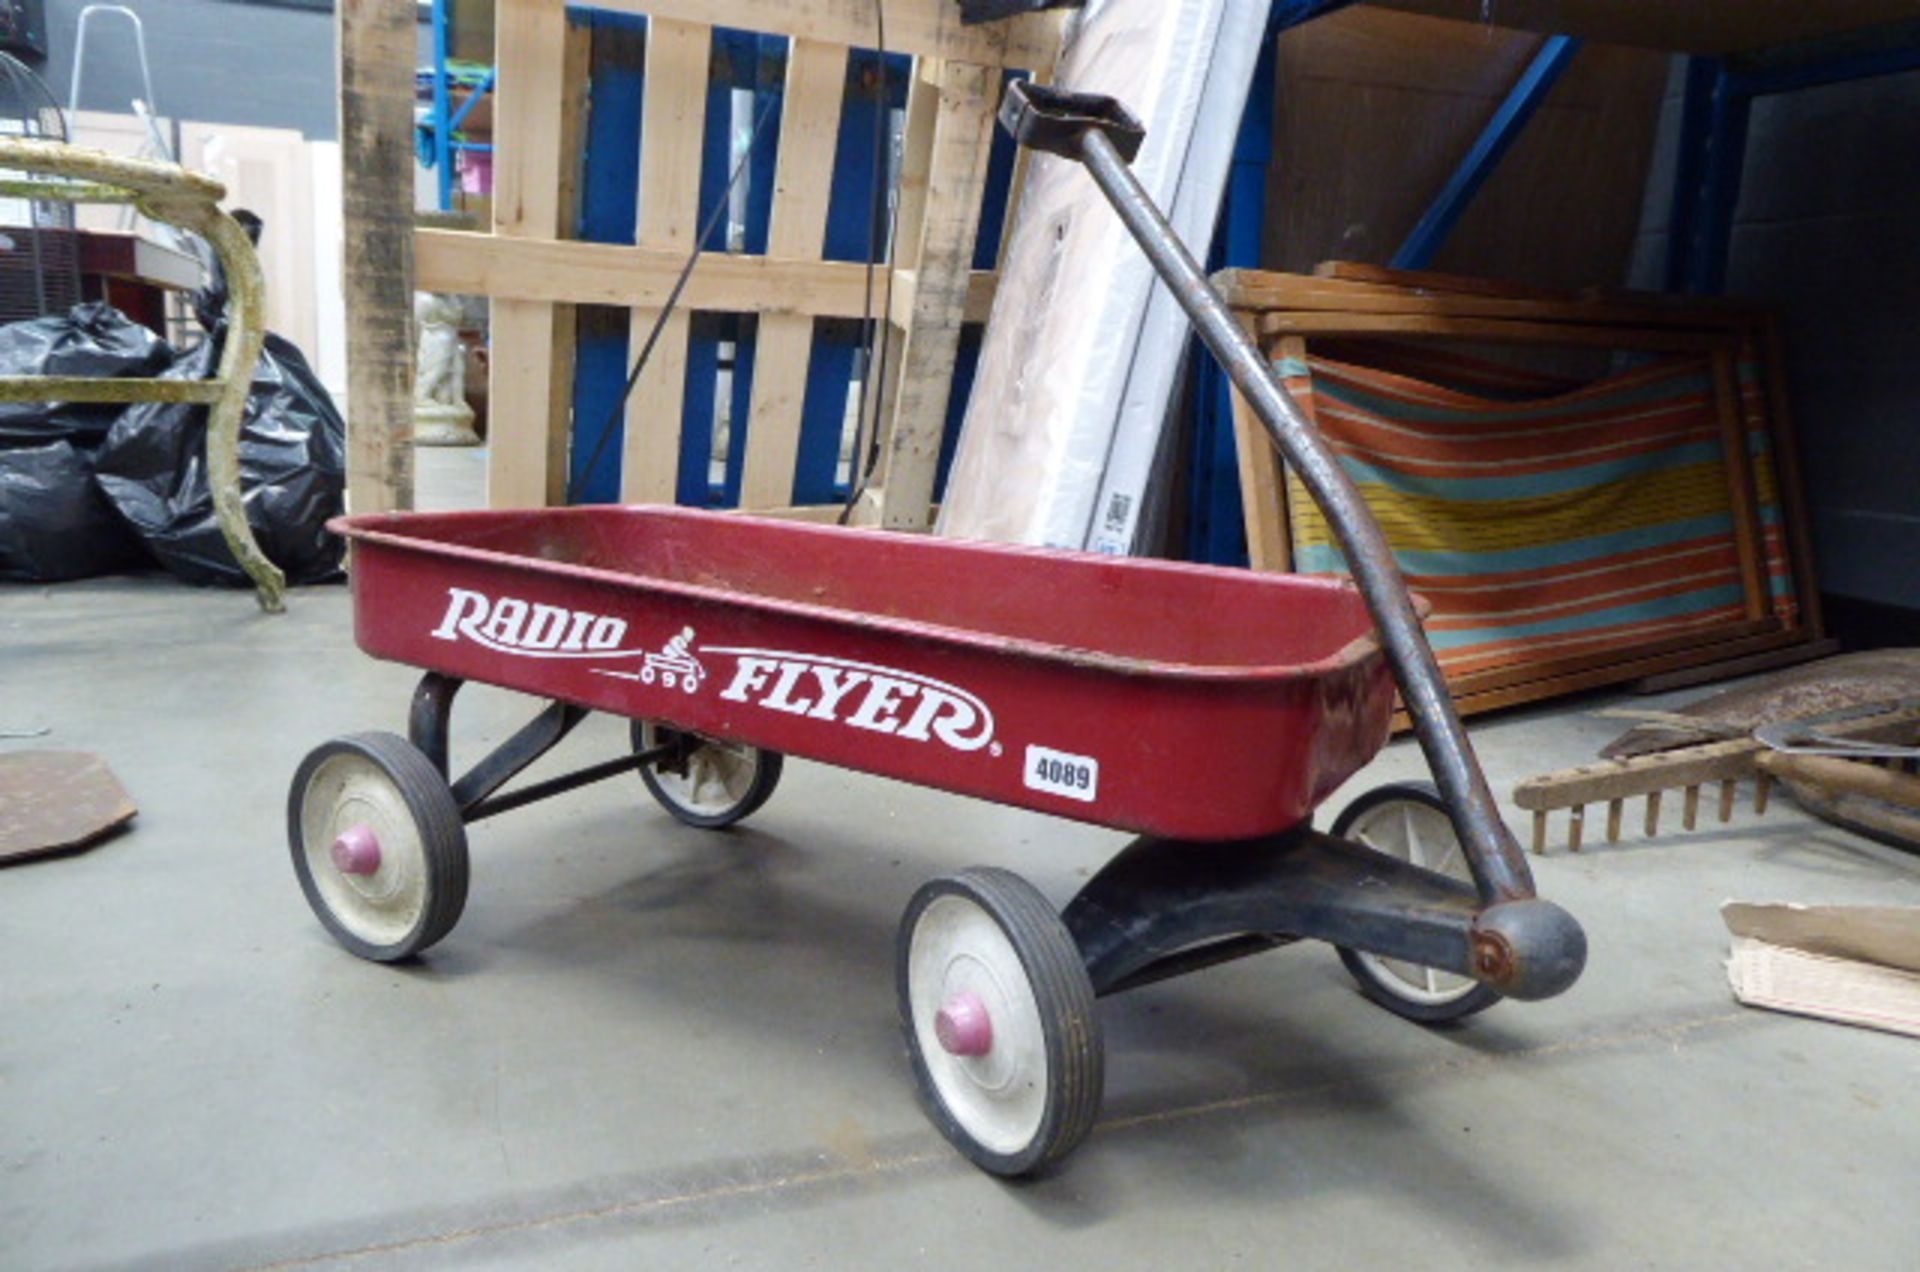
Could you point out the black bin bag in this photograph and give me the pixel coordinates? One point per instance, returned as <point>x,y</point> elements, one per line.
<point>153,468</point>
<point>54,524</point>
<point>93,339</point>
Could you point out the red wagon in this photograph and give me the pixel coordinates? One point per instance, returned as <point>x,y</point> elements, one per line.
<point>1209,710</point>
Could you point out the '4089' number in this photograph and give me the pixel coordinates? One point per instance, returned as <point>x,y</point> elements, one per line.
<point>1063,773</point>
<point>1058,773</point>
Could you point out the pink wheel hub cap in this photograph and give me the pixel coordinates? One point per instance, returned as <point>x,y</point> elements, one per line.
<point>963,1026</point>
<point>356,851</point>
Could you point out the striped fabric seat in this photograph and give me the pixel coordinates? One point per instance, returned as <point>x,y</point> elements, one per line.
<point>1541,528</point>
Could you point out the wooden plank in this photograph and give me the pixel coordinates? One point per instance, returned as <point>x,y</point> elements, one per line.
<point>376,43</point>
<point>1727,669</point>
<point>1843,790</point>
<point>1263,486</point>
<point>1471,702</point>
<point>1588,304</point>
<point>1263,290</point>
<point>520,385</point>
<point>577,78</point>
<point>1472,699</point>
<point>809,134</point>
<point>1704,640</point>
<point>916,162</point>
<point>673,131</point>
<point>1432,327</point>
<point>814,514</point>
<point>957,169</point>
<point>1786,468</point>
<point>1740,493</point>
<point>1532,681</point>
<point>531,55</point>
<point>531,59</point>
<point>925,28</point>
<point>470,264</point>
<point>1430,280</point>
<point>916,159</point>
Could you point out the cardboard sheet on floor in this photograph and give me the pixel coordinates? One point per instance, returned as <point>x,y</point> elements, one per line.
<point>1084,344</point>
<point>57,801</point>
<point>1859,965</point>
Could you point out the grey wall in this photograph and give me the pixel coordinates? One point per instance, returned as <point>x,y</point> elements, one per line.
<point>1828,232</point>
<point>220,61</point>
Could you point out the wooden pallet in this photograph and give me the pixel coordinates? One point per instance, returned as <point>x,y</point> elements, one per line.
<point>537,276</point>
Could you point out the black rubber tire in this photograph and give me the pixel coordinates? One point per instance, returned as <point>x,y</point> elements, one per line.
<point>1381,988</point>
<point>766,776</point>
<point>1075,1052</point>
<point>443,838</point>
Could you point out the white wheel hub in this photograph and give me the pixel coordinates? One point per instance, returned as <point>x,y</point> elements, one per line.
<point>352,817</point>
<point>718,775</point>
<point>965,981</point>
<point>1423,836</point>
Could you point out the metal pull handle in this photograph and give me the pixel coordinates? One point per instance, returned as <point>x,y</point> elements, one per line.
<point>1100,133</point>
<point>1054,120</point>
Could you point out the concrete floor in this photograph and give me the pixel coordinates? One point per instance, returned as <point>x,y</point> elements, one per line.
<point>651,1046</point>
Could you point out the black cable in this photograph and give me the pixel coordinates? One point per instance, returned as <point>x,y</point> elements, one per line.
<point>714,214</point>
<point>866,442</point>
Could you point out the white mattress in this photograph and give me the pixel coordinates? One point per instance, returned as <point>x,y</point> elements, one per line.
<point>1084,344</point>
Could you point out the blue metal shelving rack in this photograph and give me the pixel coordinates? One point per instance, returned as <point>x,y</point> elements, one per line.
<point>440,141</point>
<point>1711,156</point>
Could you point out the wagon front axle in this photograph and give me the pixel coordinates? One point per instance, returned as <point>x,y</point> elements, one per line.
<point>1164,907</point>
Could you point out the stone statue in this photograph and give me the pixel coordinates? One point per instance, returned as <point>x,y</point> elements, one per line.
<point>441,416</point>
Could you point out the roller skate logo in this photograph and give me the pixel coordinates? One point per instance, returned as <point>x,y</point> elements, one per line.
<point>674,667</point>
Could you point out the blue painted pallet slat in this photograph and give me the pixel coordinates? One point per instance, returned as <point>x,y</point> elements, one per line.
<point>610,179</point>
<point>1216,530</point>
<point>756,63</point>
<point>694,484</point>
<point>745,344</point>
<point>994,197</point>
<point>856,231</point>
<point>768,81</point>
<point>966,361</point>
<point>599,376</point>
<point>816,476</point>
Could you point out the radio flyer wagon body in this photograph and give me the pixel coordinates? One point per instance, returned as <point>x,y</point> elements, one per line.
<point>1209,710</point>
